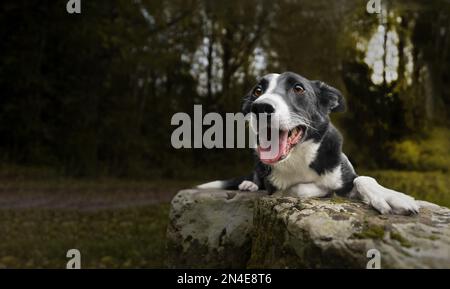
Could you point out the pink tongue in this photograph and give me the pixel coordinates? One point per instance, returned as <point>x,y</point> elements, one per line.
<point>267,156</point>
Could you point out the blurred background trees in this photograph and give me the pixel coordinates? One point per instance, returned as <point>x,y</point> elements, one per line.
<point>93,94</point>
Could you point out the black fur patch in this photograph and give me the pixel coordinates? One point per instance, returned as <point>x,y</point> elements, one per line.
<point>329,153</point>
<point>348,175</point>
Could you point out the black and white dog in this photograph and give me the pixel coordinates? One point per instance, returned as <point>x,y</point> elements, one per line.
<point>310,162</point>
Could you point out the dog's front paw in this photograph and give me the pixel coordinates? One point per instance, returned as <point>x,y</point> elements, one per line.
<point>400,203</point>
<point>248,186</point>
<point>384,200</point>
<point>394,203</point>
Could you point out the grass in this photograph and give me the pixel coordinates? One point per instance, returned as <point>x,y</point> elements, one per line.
<point>125,238</point>
<point>115,223</point>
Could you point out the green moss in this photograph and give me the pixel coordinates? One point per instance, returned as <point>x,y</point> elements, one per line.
<point>431,237</point>
<point>398,237</point>
<point>338,200</point>
<point>370,232</point>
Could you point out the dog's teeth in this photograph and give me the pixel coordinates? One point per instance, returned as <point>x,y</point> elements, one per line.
<point>293,131</point>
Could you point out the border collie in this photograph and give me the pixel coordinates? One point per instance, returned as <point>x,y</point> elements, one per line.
<point>309,162</point>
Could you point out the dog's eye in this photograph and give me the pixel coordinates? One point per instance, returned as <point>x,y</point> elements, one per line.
<point>298,88</point>
<point>258,91</point>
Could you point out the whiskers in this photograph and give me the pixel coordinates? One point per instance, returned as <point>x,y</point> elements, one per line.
<point>303,119</point>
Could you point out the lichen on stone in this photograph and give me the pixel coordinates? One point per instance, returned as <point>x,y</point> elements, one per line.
<point>370,232</point>
<point>215,229</point>
<point>398,237</point>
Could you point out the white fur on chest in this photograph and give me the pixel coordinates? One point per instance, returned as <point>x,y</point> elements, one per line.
<point>295,170</point>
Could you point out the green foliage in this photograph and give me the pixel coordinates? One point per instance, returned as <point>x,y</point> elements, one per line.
<point>406,153</point>
<point>429,186</point>
<point>430,153</point>
<point>93,94</point>
<point>394,111</point>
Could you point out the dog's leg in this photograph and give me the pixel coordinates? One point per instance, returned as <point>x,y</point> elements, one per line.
<point>243,186</point>
<point>246,183</point>
<point>384,200</point>
<point>213,185</point>
<point>309,190</point>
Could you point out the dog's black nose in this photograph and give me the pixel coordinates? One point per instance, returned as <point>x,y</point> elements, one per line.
<point>262,108</point>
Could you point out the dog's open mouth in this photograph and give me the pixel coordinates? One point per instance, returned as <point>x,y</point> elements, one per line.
<point>269,154</point>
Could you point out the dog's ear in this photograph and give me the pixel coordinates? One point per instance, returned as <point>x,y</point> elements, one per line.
<point>330,98</point>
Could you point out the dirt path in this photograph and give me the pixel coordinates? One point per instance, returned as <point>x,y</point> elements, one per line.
<point>86,196</point>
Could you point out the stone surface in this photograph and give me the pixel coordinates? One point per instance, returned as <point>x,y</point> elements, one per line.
<point>211,229</point>
<point>337,233</point>
<point>230,229</point>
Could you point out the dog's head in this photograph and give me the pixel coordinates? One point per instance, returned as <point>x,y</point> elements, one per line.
<point>300,106</point>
